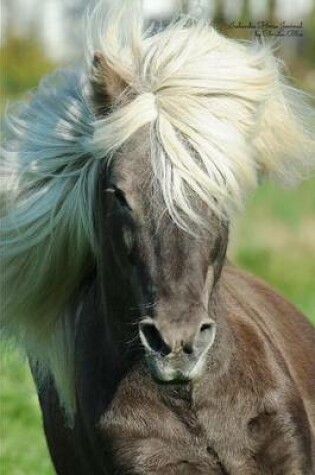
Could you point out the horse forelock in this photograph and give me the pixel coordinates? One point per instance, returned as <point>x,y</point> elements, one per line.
<point>220,115</point>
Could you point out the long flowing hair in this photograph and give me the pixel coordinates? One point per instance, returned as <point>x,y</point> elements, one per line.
<point>221,116</point>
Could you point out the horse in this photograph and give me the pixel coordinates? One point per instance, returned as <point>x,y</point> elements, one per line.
<point>151,353</point>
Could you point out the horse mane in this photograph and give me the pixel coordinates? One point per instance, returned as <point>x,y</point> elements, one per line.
<point>222,117</point>
<point>47,240</point>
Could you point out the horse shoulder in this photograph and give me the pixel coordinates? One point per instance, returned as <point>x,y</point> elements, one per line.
<point>276,343</point>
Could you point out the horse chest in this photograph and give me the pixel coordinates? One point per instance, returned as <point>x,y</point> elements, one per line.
<point>149,429</point>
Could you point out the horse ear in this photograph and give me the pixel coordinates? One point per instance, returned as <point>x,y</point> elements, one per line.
<point>106,83</point>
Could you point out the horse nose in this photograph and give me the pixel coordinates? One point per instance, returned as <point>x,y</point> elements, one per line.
<point>175,342</point>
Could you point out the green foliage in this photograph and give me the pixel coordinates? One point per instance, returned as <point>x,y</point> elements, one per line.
<point>22,62</point>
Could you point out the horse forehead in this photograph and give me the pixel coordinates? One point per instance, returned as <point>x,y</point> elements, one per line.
<point>132,162</point>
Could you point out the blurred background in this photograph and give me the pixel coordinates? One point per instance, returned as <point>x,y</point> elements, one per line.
<point>275,237</point>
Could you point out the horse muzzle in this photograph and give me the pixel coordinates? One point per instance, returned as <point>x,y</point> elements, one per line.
<point>182,361</point>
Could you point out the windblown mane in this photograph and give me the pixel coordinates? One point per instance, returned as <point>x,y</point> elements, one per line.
<point>221,116</point>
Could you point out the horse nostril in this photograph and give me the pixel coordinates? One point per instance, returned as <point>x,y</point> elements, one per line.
<point>205,327</point>
<point>152,339</point>
<point>206,334</point>
<point>188,349</point>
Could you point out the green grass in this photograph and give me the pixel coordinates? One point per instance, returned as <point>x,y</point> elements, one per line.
<point>23,449</point>
<point>275,239</point>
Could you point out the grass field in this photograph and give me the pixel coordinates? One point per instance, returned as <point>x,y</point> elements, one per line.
<point>274,239</point>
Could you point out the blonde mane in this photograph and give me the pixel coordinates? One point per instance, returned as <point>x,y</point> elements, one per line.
<point>221,116</point>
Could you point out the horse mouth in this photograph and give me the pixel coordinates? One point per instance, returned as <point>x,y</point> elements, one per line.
<point>165,370</point>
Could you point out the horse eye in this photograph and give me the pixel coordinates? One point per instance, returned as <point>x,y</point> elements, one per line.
<point>124,221</point>
<point>119,196</point>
